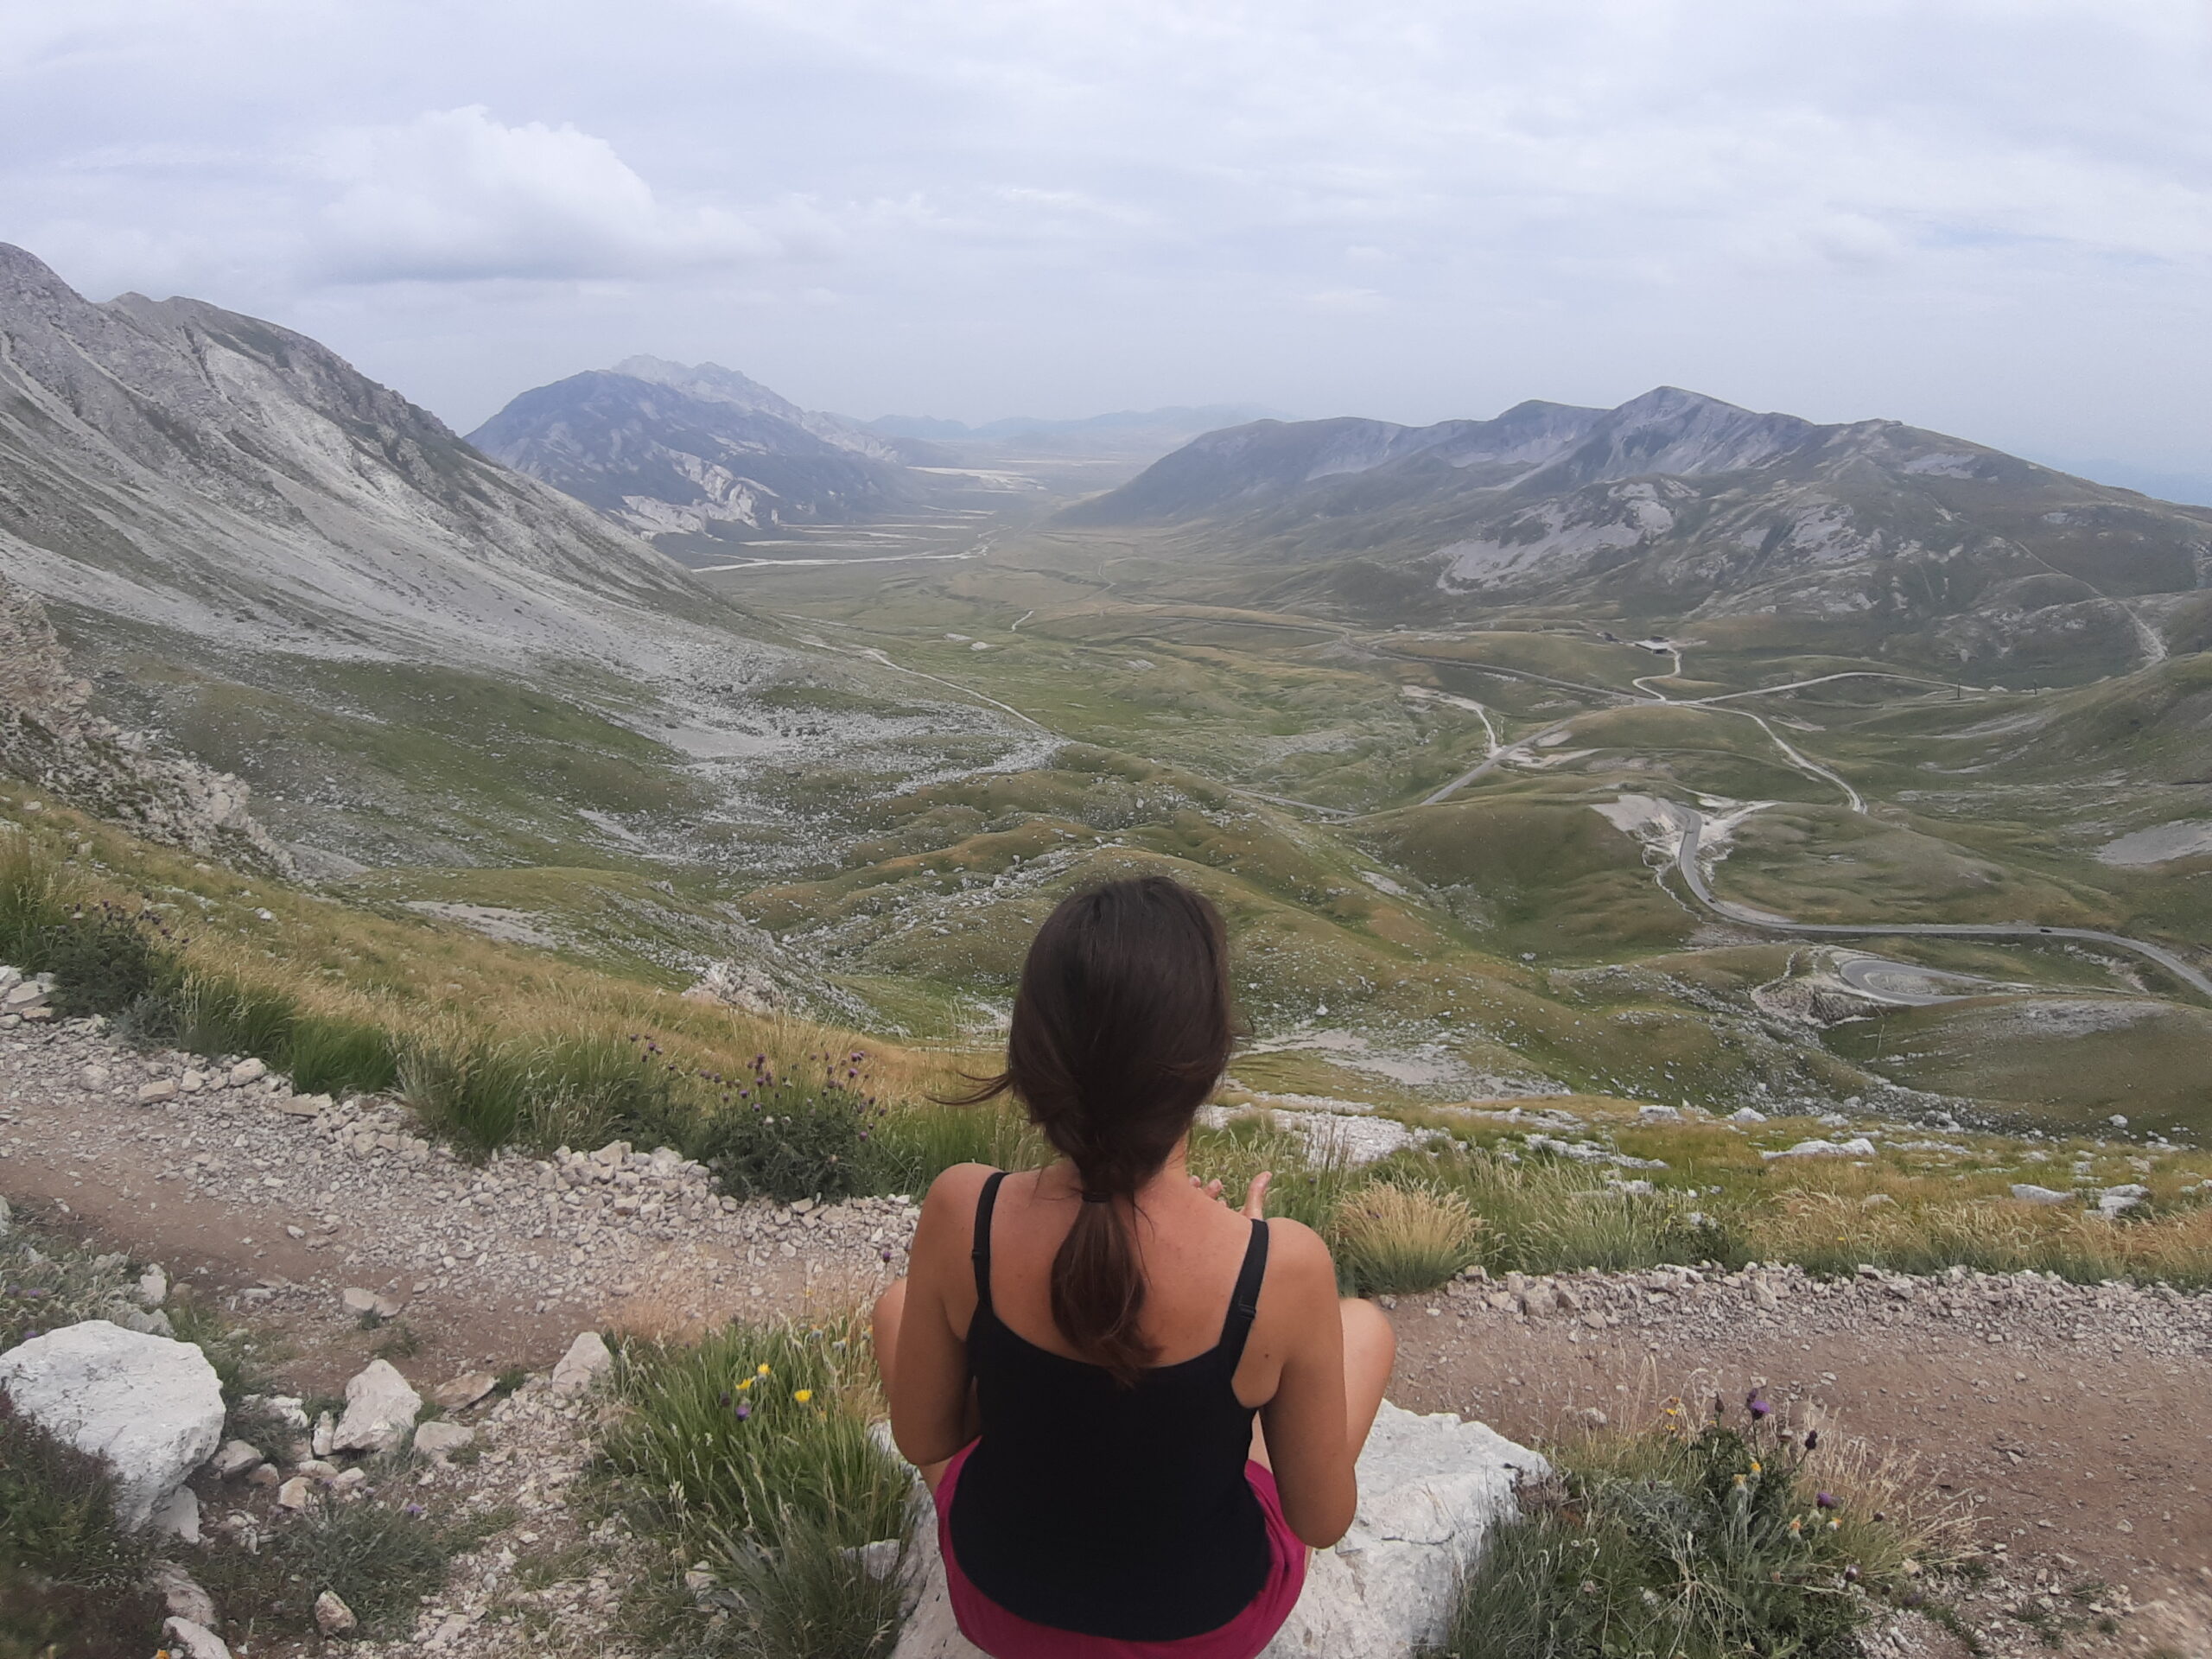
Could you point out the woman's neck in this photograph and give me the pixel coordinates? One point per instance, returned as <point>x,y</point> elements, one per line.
<point>1173,1173</point>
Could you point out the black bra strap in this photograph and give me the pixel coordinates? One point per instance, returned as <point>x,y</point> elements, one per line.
<point>1244,1300</point>
<point>980,1254</point>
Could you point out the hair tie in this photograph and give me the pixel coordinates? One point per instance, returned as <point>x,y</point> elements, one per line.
<point>1098,1198</point>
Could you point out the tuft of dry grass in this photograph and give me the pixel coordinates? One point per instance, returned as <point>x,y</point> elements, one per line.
<point>1390,1238</point>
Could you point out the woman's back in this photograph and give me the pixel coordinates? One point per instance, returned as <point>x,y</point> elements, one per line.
<point>1076,1377</point>
<point>1082,1486</point>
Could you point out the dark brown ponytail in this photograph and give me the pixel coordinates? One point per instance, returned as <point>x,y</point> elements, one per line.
<point>1121,1027</point>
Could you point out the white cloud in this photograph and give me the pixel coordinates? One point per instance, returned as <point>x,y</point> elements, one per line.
<point>454,195</point>
<point>1993,216</point>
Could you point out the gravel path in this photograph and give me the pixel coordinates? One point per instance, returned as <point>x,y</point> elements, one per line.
<point>282,1202</point>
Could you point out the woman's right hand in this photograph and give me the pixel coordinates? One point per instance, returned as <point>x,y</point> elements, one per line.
<point>1255,1196</point>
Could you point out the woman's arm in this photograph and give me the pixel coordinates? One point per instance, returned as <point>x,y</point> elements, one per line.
<point>1306,1430</point>
<point>929,1374</point>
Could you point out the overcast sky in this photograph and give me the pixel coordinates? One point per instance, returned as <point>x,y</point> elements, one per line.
<point>1993,217</point>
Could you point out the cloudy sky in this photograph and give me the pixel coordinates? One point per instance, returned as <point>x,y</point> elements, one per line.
<point>1993,217</point>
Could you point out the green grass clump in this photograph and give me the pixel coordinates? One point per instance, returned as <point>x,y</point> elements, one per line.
<point>751,1455</point>
<point>1394,1239</point>
<point>1541,1216</point>
<point>719,1434</point>
<point>1738,1537</point>
<point>582,1091</point>
<point>328,1055</point>
<point>212,1014</point>
<point>914,1145</point>
<point>378,1559</point>
<point>104,956</point>
<point>476,1097</point>
<point>71,1582</point>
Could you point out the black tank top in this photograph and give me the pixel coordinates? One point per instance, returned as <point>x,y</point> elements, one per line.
<point>1120,1512</point>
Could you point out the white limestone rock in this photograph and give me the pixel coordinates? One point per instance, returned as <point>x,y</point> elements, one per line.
<point>2029,1192</point>
<point>178,1515</point>
<point>332,1616</point>
<point>182,1593</point>
<point>380,1410</point>
<point>151,1407</point>
<point>236,1458</point>
<point>193,1640</point>
<point>585,1362</point>
<point>442,1440</point>
<point>458,1393</point>
<point>1430,1489</point>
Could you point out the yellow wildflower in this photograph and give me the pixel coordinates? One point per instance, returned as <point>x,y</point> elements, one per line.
<point>763,1371</point>
<point>802,1395</point>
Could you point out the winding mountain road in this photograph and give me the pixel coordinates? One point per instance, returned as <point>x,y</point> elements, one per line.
<point>1693,878</point>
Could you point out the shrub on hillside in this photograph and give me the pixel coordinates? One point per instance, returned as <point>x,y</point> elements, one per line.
<point>791,1133</point>
<point>1738,1537</point>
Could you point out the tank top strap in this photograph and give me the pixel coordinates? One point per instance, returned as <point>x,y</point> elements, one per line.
<point>1244,1300</point>
<point>986,1201</point>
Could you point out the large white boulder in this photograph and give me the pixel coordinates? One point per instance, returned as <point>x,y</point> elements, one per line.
<point>1430,1489</point>
<point>380,1410</point>
<point>151,1407</point>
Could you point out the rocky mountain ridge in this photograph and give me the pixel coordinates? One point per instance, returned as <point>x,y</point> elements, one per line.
<point>1676,505</point>
<point>698,457</point>
<point>189,468</point>
<point>48,736</point>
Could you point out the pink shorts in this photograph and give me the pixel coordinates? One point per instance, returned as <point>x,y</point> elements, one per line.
<point>1009,1635</point>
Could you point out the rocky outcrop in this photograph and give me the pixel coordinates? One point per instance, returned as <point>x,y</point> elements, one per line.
<point>48,737</point>
<point>150,1407</point>
<point>1430,1490</point>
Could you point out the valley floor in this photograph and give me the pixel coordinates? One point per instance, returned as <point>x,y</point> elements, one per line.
<point>2069,1419</point>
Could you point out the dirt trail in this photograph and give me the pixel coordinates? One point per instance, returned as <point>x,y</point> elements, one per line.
<point>273,1206</point>
<point>2071,1419</point>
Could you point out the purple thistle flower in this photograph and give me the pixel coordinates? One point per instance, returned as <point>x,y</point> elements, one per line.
<point>743,1411</point>
<point>416,1509</point>
<point>886,1253</point>
<point>1754,1403</point>
<point>1851,1573</point>
<point>1824,1500</point>
<point>1812,1440</point>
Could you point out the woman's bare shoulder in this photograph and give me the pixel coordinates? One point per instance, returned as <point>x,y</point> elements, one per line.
<point>956,1189</point>
<point>1297,1254</point>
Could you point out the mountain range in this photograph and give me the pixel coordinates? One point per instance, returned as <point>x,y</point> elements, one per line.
<point>699,455</point>
<point>259,557</point>
<point>1676,505</point>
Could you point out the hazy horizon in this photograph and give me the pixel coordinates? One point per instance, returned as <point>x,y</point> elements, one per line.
<point>1995,221</point>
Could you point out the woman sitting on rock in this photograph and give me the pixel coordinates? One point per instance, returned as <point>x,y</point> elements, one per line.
<point>1078,1354</point>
